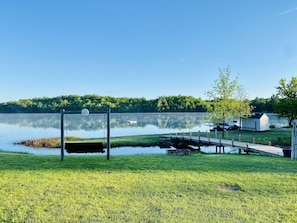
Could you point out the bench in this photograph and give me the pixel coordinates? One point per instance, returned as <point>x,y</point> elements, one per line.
<point>84,147</point>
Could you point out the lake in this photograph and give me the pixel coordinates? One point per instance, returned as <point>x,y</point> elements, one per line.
<point>17,127</point>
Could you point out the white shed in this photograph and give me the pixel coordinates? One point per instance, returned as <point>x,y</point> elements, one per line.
<point>257,122</point>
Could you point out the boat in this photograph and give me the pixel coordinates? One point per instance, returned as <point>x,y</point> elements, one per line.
<point>131,121</point>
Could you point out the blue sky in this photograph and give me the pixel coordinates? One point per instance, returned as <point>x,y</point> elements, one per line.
<point>144,48</point>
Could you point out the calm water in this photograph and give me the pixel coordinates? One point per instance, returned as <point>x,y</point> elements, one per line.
<point>17,127</point>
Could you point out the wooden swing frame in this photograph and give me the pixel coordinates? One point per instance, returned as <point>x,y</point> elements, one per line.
<point>85,147</point>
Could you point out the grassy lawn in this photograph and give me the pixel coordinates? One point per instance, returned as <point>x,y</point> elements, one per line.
<point>277,137</point>
<point>141,140</point>
<point>147,188</point>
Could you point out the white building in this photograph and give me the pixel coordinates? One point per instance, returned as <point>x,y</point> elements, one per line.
<point>257,122</point>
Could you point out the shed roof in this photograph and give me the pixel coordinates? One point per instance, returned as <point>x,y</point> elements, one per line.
<point>257,115</point>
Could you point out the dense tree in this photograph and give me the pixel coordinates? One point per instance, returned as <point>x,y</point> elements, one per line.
<point>265,104</point>
<point>101,103</point>
<point>287,106</point>
<point>228,98</point>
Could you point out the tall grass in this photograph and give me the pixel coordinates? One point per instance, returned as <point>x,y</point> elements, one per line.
<point>147,188</point>
<point>139,140</point>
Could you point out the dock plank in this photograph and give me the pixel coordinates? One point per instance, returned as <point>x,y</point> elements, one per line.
<point>259,148</point>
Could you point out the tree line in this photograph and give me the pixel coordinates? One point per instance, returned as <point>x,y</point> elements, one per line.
<point>101,103</point>
<point>227,100</point>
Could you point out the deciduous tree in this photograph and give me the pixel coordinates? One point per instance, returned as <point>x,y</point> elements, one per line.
<point>287,106</point>
<point>229,100</point>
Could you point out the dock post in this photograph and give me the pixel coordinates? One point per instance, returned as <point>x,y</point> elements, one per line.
<point>208,136</point>
<point>239,138</point>
<point>199,136</point>
<point>232,142</point>
<point>254,140</point>
<point>216,133</point>
<point>294,141</point>
<point>227,135</point>
<point>221,146</point>
<point>247,148</point>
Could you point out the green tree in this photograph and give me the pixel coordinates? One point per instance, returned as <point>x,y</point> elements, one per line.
<point>287,105</point>
<point>162,104</point>
<point>228,98</point>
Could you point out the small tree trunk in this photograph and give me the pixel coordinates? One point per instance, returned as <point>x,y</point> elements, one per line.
<point>290,120</point>
<point>223,125</point>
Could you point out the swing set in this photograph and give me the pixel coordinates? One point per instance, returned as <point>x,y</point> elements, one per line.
<point>84,147</point>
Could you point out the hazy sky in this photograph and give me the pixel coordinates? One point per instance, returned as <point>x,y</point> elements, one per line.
<point>144,48</point>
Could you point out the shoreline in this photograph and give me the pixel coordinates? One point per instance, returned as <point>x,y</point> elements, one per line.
<point>278,137</point>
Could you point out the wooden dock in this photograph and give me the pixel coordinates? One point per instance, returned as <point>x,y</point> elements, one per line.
<point>221,143</point>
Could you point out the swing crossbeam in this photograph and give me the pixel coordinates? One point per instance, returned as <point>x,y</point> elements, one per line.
<point>84,147</point>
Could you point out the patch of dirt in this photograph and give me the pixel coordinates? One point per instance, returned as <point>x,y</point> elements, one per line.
<point>229,188</point>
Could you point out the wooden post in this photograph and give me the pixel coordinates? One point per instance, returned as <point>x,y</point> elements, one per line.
<point>220,145</point>
<point>62,134</point>
<point>216,133</point>
<point>227,135</point>
<point>208,136</point>
<point>254,140</point>
<point>239,138</point>
<point>232,142</point>
<point>108,134</point>
<point>294,141</point>
<point>199,135</point>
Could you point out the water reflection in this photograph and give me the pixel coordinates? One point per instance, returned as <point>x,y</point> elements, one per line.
<point>18,127</point>
<point>98,121</point>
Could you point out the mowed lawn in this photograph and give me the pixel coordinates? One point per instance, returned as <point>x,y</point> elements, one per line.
<point>148,188</point>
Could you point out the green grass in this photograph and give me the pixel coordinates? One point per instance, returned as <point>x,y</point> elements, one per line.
<point>147,188</point>
<point>140,140</point>
<point>277,137</point>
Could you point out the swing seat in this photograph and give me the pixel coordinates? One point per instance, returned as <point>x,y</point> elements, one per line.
<point>84,147</point>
